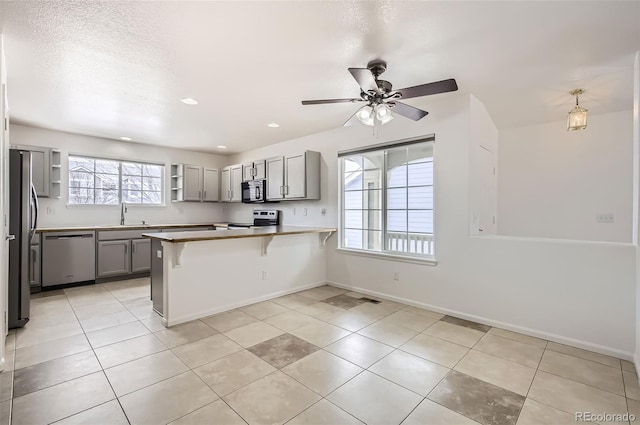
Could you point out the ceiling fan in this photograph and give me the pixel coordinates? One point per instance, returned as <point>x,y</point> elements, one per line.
<point>381,99</point>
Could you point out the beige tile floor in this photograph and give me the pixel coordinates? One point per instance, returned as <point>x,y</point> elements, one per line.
<point>99,355</point>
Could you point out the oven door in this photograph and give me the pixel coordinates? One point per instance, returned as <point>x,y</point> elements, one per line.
<point>253,191</point>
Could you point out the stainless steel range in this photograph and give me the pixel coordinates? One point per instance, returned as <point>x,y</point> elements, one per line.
<point>260,218</point>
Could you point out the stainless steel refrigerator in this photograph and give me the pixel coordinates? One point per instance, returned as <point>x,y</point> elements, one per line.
<point>23,218</point>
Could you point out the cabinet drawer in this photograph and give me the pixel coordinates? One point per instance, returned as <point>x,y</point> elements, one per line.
<point>113,235</point>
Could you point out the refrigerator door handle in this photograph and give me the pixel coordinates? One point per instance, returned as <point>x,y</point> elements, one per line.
<point>34,224</point>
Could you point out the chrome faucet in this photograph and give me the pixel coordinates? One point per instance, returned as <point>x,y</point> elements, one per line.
<point>123,209</point>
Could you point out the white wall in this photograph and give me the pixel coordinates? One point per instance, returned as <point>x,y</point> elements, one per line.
<point>552,182</point>
<point>636,195</point>
<point>580,293</point>
<point>56,212</point>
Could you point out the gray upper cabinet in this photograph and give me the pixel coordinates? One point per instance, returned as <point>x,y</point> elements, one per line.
<point>275,178</point>
<point>194,183</point>
<point>114,258</point>
<point>40,171</point>
<point>254,170</point>
<point>231,185</point>
<point>45,170</point>
<point>210,185</point>
<point>294,176</point>
<point>140,255</point>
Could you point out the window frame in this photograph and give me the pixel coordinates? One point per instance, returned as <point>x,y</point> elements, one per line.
<point>119,187</point>
<point>384,253</point>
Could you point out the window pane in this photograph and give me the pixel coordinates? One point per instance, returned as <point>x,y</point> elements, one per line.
<point>353,181</point>
<point>151,197</point>
<point>131,183</point>
<point>152,170</point>
<point>397,176</point>
<point>133,197</point>
<point>397,199</point>
<point>352,163</point>
<point>421,221</point>
<point>372,179</point>
<point>421,174</point>
<point>107,181</point>
<point>107,197</point>
<point>152,184</point>
<point>77,163</point>
<point>353,219</point>
<point>130,168</point>
<point>373,160</point>
<point>353,238</point>
<point>353,200</point>
<point>397,221</point>
<point>80,179</point>
<point>80,196</point>
<point>421,197</point>
<point>107,166</point>
<point>372,240</point>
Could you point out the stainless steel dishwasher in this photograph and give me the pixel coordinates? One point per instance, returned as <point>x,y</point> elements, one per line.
<point>68,257</point>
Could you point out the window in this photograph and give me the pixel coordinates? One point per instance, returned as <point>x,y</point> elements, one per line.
<point>387,198</point>
<point>108,182</point>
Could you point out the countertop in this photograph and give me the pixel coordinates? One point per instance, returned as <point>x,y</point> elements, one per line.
<point>209,235</point>
<point>119,227</point>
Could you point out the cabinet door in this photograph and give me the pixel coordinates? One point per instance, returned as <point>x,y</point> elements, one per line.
<point>140,255</point>
<point>294,176</point>
<point>275,178</point>
<point>247,171</point>
<point>210,185</point>
<point>114,258</point>
<point>192,183</point>
<point>225,187</point>
<point>34,266</point>
<point>260,170</point>
<point>40,171</point>
<point>236,183</point>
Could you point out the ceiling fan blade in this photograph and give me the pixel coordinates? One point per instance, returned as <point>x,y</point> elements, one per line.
<point>365,79</point>
<point>428,89</point>
<point>320,102</point>
<point>408,111</point>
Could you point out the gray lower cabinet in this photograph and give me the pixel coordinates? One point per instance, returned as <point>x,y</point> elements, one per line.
<point>114,258</point>
<point>140,255</point>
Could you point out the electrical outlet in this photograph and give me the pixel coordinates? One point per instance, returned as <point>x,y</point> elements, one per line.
<point>605,218</point>
<point>396,276</point>
<point>159,253</point>
<point>304,212</point>
<point>294,210</point>
<point>50,211</point>
<point>264,275</point>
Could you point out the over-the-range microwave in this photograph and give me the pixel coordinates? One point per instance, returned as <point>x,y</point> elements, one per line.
<point>254,191</point>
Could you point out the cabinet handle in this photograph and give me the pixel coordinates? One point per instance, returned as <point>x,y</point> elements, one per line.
<point>205,195</point>
<point>200,194</point>
<point>133,248</point>
<point>281,190</point>
<point>126,248</point>
<point>231,195</point>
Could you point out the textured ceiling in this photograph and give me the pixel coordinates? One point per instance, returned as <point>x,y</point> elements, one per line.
<point>114,69</point>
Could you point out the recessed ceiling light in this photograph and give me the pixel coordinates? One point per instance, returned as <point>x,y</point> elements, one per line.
<point>221,147</point>
<point>189,101</point>
<point>126,139</point>
<point>273,125</point>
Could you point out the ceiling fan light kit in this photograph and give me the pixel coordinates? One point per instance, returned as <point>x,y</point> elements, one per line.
<point>381,99</point>
<point>577,118</point>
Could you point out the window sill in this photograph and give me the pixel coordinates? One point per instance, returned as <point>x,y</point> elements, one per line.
<point>425,261</point>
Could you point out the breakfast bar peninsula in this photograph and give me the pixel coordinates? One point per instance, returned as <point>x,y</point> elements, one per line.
<point>197,274</point>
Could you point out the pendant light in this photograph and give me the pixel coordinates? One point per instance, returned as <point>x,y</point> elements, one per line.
<point>577,119</point>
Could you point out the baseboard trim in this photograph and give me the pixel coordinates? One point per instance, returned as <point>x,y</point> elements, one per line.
<point>498,324</point>
<point>211,312</point>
